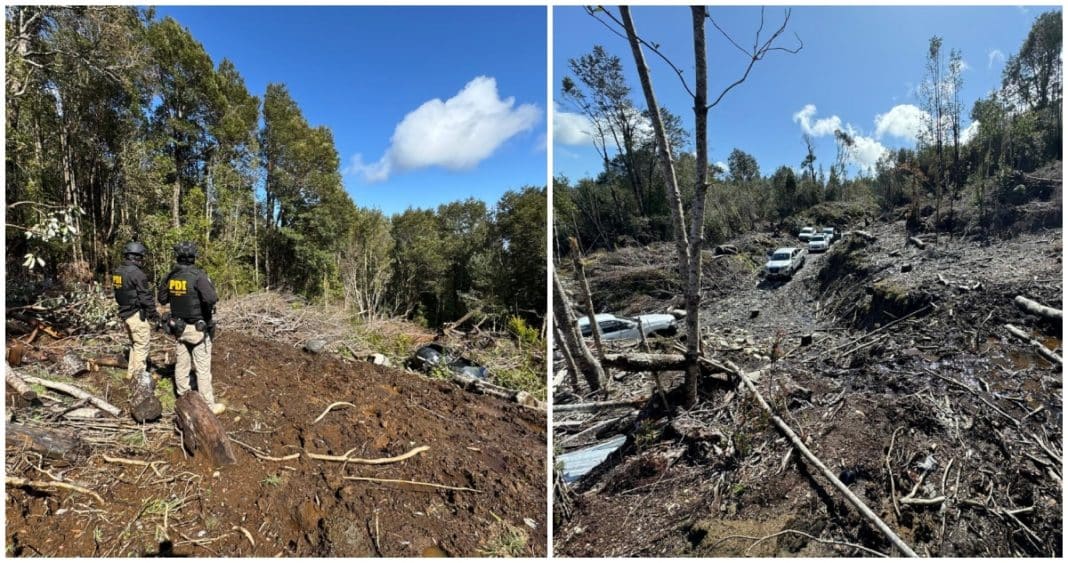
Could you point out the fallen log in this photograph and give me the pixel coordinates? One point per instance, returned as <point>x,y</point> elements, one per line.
<point>1039,347</point>
<point>1036,308</point>
<point>76,392</point>
<point>18,385</point>
<point>865,235</point>
<point>917,243</point>
<point>51,444</point>
<point>586,407</point>
<point>201,430</point>
<point>799,444</point>
<point>645,362</point>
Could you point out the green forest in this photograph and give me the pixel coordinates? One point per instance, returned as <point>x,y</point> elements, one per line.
<point>960,183</point>
<point>120,126</point>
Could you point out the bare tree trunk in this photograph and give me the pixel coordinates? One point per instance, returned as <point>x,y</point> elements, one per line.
<point>689,268</point>
<point>572,366</point>
<point>584,284</point>
<point>565,320</point>
<point>697,220</point>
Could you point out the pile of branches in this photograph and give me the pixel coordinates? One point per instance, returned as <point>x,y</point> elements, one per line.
<point>279,317</point>
<point>85,309</point>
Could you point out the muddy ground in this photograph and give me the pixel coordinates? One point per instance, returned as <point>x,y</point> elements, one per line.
<point>298,507</point>
<point>974,415</point>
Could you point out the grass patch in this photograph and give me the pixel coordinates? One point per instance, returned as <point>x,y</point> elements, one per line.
<point>165,393</point>
<point>159,507</point>
<point>134,439</point>
<point>505,540</point>
<point>646,435</point>
<point>272,481</point>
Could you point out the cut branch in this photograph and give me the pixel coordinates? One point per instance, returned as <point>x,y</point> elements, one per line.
<point>20,482</point>
<point>1039,347</point>
<point>377,461</point>
<point>406,482</point>
<point>798,443</point>
<point>1036,308</point>
<point>76,392</point>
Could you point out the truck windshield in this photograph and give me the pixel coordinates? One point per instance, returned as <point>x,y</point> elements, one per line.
<point>780,256</point>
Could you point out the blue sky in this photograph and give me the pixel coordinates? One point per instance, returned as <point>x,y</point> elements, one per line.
<point>857,64</point>
<point>362,71</point>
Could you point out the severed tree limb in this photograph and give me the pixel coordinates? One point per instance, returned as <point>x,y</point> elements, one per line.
<point>15,382</point>
<point>262,455</point>
<point>20,482</point>
<point>827,473</point>
<point>332,405</point>
<point>76,392</point>
<point>1036,308</point>
<point>646,362</point>
<point>377,461</point>
<point>1042,350</point>
<point>585,407</point>
<point>406,482</point>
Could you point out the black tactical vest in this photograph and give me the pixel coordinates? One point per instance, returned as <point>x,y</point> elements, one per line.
<point>125,293</point>
<point>184,299</point>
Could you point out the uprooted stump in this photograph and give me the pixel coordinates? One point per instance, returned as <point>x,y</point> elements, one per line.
<point>201,431</point>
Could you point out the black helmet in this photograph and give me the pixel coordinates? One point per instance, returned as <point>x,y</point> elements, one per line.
<point>134,247</point>
<point>185,249</point>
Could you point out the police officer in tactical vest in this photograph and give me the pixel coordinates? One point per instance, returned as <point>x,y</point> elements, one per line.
<point>136,307</point>
<point>192,298</point>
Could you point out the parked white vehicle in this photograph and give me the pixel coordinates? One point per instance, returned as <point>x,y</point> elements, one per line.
<point>785,262</point>
<point>829,234</point>
<point>626,328</point>
<point>818,243</point>
<point>806,233</point>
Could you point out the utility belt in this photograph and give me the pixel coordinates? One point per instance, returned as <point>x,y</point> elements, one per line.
<point>175,326</point>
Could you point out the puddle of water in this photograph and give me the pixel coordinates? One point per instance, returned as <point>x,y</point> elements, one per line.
<point>433,551</point>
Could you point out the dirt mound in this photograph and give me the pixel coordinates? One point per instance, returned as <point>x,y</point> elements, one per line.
<point>303,507</point>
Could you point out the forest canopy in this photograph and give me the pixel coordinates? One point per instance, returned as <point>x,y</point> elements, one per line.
<point>120,126</point>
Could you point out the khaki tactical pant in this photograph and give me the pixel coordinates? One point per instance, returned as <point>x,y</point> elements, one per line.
<point>140,332</point>
<point>196,346</point>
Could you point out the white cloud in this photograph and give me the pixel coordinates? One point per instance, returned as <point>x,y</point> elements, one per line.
<point>571,128</point>
<point>820,127</point>
<point>455,134</point>
<point>904,121</point>
<point>994,55</point>
<point>969,132</point>
<point>722,166</point>
<point>866,152</point>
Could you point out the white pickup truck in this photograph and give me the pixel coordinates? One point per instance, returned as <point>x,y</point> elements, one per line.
<point>625,328</point>
<point>806,233</point>
<point>784,263</point>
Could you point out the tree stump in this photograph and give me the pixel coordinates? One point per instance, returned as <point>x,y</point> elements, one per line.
<point>51,444</point>
<point>144,406</point>
<point>201,431</point>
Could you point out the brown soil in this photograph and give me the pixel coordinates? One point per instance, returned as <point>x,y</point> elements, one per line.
<point>669,494</point>
<point>303,507</point>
